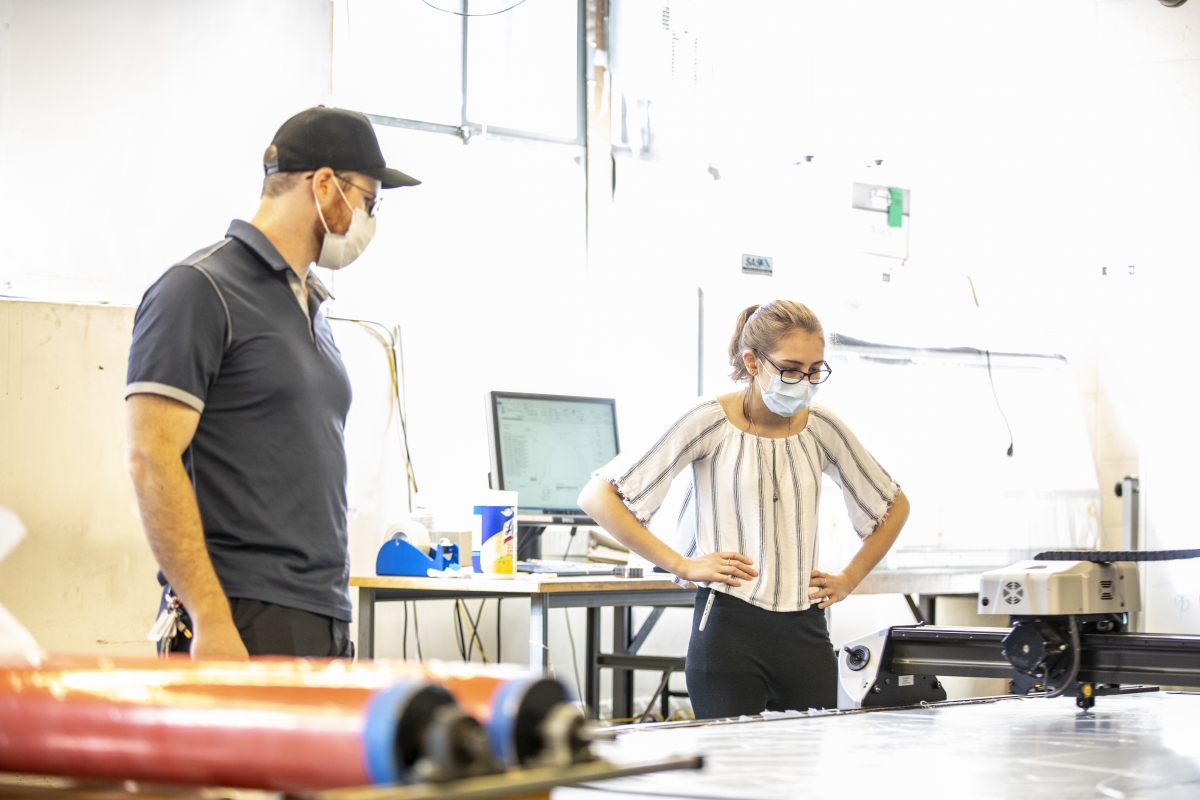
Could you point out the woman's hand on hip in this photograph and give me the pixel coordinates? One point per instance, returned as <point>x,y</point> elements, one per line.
<point>724,567</point>
<point>829,587</point>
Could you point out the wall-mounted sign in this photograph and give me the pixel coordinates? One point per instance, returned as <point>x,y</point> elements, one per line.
<point>757,265</point>
<point>879,219</point>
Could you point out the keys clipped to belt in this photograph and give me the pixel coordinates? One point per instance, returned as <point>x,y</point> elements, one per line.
<point>168,625</point>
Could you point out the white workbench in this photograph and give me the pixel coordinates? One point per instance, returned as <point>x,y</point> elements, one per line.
<point>1128,746</point>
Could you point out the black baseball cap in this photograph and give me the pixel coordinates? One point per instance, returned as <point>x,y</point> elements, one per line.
<point>336,138</point>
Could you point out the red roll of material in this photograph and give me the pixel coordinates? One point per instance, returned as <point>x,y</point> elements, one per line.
<point>472,685</point>
<point>273,724</point>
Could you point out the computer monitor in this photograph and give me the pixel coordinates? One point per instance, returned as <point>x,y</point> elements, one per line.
<point>545,447</point>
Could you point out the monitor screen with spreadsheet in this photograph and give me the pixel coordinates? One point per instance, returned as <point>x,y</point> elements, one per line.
<point>545,447</point>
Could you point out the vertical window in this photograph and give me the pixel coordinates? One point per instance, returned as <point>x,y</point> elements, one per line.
<point>523,69</point>
<point>399,58</point>
<point>463,66</point>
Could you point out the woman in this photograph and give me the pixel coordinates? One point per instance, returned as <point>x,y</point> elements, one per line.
<point>749,520</point>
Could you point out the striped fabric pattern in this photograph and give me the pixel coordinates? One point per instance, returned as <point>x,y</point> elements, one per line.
<point>729,501</point>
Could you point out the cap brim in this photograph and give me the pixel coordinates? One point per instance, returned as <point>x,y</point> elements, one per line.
<point>390,178</point>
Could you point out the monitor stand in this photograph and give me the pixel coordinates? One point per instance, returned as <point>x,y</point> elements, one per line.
<point>529,539</point>
<point>530,528</point>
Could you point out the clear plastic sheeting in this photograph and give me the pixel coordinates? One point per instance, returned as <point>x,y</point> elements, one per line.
<point>932,418</point>
<point>1143,745</point>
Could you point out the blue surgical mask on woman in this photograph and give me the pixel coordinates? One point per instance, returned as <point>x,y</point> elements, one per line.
<point>785,399</point>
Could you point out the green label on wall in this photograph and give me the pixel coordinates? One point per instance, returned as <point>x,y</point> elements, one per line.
<point>896,208</point>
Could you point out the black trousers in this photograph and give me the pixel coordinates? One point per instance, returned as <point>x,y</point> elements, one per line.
<point>748,660</point>
<point>272,630</point>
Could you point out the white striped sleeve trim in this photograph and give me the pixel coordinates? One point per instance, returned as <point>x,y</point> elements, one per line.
<point>644,484</point>
<point>163,390</point>
<point>854,447</point>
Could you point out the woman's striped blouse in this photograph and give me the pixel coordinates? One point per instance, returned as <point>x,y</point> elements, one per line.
<point>729,503</point>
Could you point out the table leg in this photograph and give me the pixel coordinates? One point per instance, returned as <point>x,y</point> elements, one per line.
<point>365,646</point>
<point>591,679</point>
<point>928,606</point>
<point>622,691</point>
<point>539,632</point>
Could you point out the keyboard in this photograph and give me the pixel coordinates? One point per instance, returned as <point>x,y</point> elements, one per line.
<point>566,569</point>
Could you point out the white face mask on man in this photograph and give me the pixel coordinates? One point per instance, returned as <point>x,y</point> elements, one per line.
<point>340,249</point>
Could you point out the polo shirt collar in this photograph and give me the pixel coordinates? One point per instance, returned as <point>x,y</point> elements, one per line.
<point>316,287</point>
<point>253,238</point>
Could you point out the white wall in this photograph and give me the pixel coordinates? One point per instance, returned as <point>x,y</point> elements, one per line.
<point>1042,141</point>
<point>130,134</point>
<point>83,579</point>
<point>138,131</point>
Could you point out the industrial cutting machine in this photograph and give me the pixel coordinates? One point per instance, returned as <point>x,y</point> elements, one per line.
<point>1067,634</point>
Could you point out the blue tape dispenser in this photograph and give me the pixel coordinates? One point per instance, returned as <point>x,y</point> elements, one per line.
<point>408,551</point>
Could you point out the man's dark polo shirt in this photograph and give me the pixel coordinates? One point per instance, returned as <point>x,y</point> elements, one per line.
<point>223,332</point>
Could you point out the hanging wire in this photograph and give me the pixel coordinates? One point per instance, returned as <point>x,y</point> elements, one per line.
<point>399,339</point>
<point>389,338</point>
<point>464,643</point>
<point>574,657</point>
<point>570,633</point>
<point>464,14</point>
<point>988,354</point>
<point>417,629</point>
<point>474,623</point>
<point>459,638</point>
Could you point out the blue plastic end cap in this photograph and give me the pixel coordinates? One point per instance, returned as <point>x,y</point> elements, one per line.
<point>501,727</point>
<point>381,729</point>
<point>506,705</point>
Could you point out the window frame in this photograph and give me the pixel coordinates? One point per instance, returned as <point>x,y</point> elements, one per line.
<point>467,129</point>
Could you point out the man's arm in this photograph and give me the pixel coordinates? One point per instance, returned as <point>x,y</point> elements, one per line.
<point>160,430</point>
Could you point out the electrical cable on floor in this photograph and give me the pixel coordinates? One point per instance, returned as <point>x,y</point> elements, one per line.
<point>991,380</point>
<point>499,660</point>
<point>570,634</point>
<point>404,638</point>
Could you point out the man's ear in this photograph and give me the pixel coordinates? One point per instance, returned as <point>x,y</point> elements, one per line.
<point>322,183</point>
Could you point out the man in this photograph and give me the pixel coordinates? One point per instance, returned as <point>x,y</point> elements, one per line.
<point>237,400</point>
